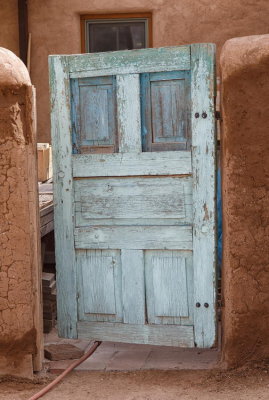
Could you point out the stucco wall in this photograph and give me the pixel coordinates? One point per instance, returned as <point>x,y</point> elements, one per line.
<point>9,31</point>
<point>20,307</point>
<point>245,168</point>
<point>55,28</point>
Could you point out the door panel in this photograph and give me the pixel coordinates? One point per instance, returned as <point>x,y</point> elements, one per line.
<point>98,285</point>
<point>99,278</point>
<point>135,201</point>
<point>169,287</point>
<point>167,115</point>
<point>165,106</point>
<point>135,243</point>
<point>93,113</point>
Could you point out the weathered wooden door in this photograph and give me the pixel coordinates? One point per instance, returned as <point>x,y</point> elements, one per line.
<point>134,183</point>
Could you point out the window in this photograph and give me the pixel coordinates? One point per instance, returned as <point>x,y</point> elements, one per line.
<point>115,32</point>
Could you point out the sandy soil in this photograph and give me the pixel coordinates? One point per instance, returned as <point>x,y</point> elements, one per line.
<point>243,384</point>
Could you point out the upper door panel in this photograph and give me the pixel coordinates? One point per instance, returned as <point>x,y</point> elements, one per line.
<point>165,110</point>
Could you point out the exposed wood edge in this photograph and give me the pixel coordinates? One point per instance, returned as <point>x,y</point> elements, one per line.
<point>49,227</point>
<point>135,175</point>
<point>34,222</point>
<point>140,334</point>
<point>64,209</point>
<point>46,210</point>
<point>46,219</point>
<point>107,237</point>
<point>204,189</point>
<point>132,164</point>
<point>105,63</point>
<point>122,70</point>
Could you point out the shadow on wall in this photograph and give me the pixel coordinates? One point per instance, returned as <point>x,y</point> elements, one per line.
<point>245,186</point>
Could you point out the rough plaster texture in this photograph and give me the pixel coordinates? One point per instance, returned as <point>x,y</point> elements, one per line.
<point>55,28</point>
<point>9,31</point>
<point>245,165</point>
<point>18,221</point>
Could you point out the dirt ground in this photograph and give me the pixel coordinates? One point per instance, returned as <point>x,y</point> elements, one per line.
<point>243,384</point>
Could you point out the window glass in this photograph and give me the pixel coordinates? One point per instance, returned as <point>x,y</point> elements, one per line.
<point>113,36</point>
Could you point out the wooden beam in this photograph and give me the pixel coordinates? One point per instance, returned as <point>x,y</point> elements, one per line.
<point>23,29</point>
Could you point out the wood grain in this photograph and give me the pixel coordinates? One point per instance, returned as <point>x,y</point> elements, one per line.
<point>142,334</point>
<point>165,106</point>
<point>168,163</point>
<point>128,106</point>
<point>130,198</point>
<point>133,287</point>
<point>99,277</point>
<point>134,237</point>
<point>204,215</point>
<point>93,109</point>
<point>129,62</point>
<point>63,202</point>
<point>34,222</point>
<point>169,284</point>
<point>166,287</point>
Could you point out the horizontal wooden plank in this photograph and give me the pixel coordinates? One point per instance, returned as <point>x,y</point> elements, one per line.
<point>134,237</point>
<point>46,210</point>
<point>126,62</point>
<point>80,221</point>
<point>45,219</point>
<point>48,279</point>
<point>163,163</point>
<point>134,197</point>
<point>45,229</point>
<point>165,335</point>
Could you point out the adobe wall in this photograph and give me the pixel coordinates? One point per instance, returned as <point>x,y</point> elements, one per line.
<point>20,304</point>
<point>9,37</point>
<point>245,165</point>
<point>55,28</point>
